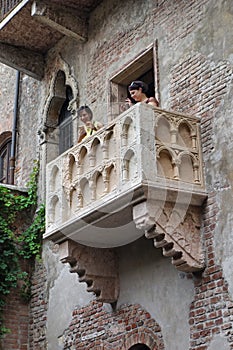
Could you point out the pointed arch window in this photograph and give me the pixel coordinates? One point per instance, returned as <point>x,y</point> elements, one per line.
<point>5,151</point>
<point>65,123</point>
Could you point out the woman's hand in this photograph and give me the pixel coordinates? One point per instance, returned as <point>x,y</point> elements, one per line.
<point>127,100</point>
<point>90,125</point>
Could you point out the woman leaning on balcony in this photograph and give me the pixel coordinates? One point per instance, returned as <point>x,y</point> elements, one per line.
<point>90,126</point>
<point>138,93</point>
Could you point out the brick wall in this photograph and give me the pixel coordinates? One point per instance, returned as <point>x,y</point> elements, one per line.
<point>95,327</point>
<point>38,308</point>
<point>107,52</point>
<point>211,312</point>
<point>16,318</point>
<point>198,86</point>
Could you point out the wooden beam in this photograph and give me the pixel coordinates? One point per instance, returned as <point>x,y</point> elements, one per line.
<point>66,21</point>
<point>26,61</point>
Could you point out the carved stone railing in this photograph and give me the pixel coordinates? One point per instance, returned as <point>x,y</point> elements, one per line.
<point>142,174</point>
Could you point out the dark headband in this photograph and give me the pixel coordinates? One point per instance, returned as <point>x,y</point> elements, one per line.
<point>135,85</point>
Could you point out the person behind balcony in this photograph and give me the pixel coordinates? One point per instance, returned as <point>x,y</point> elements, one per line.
<point>138,93</point>
<point>90,126</point>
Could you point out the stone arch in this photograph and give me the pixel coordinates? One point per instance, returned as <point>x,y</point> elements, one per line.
<point>62,76</point>
<point>129,165</point>
<point>187,164</point>
<point>56,83</point>
<point>98,184</point>
<point>4,137</point>
<point>127,131</point>
<point>111,177</point>
<point>5,154</point>
<point>96,154</point>
<point>54,178</point>
<point>166,159</point>
<point>83,162</point>
<point>163,129</point>
<point>109,145</point>
<point>72,167</point>
<point>56,104</point>
<point>54,210</point>
<point>184,136</point>
<point>85,191</point>
<point>143,340</point>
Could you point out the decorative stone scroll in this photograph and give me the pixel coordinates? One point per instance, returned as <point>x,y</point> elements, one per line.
<point>97,267</point>
<point>174,227</point>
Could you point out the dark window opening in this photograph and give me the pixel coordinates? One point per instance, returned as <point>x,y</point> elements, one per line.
<point>143,67</point>
<point>148,78</point>
<point>139,347</point>
<point>5,152</point>
<point>65,123</point>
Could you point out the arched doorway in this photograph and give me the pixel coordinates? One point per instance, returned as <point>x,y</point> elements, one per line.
<point>139,346</point>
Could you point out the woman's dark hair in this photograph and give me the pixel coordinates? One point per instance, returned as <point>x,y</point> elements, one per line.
<point>87,109</point>
<point>135,85</point>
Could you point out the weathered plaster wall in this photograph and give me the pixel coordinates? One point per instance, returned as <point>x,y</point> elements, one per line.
<point>64,291</point>
<point>150,279</point>
<point>28,125</point>
<point>7,94</point>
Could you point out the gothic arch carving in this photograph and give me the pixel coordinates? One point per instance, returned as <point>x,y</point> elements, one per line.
<point>166,161</point>
<point>4,137</point>
<point>184,133</point>
<point>188,167</point>
<point>95,154</point>
<point>54,90</point>
<point>163,129</point>
<point>129,165</point>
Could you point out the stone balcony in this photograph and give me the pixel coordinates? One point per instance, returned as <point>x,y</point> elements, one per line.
<point>141,174</point>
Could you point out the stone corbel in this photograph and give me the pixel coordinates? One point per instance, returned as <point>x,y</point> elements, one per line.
<point>95,266</point>
<point>174,227</point>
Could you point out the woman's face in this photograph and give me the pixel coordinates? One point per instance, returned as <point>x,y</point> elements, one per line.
<point>84,116</point>
<point>136,94</point>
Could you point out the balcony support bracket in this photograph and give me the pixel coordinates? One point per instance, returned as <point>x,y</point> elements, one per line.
<point>174,227</point>
<point>97,267</point>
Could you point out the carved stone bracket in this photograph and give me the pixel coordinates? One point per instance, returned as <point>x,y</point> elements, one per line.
<point>174,227</point>
<point>95,266</point>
